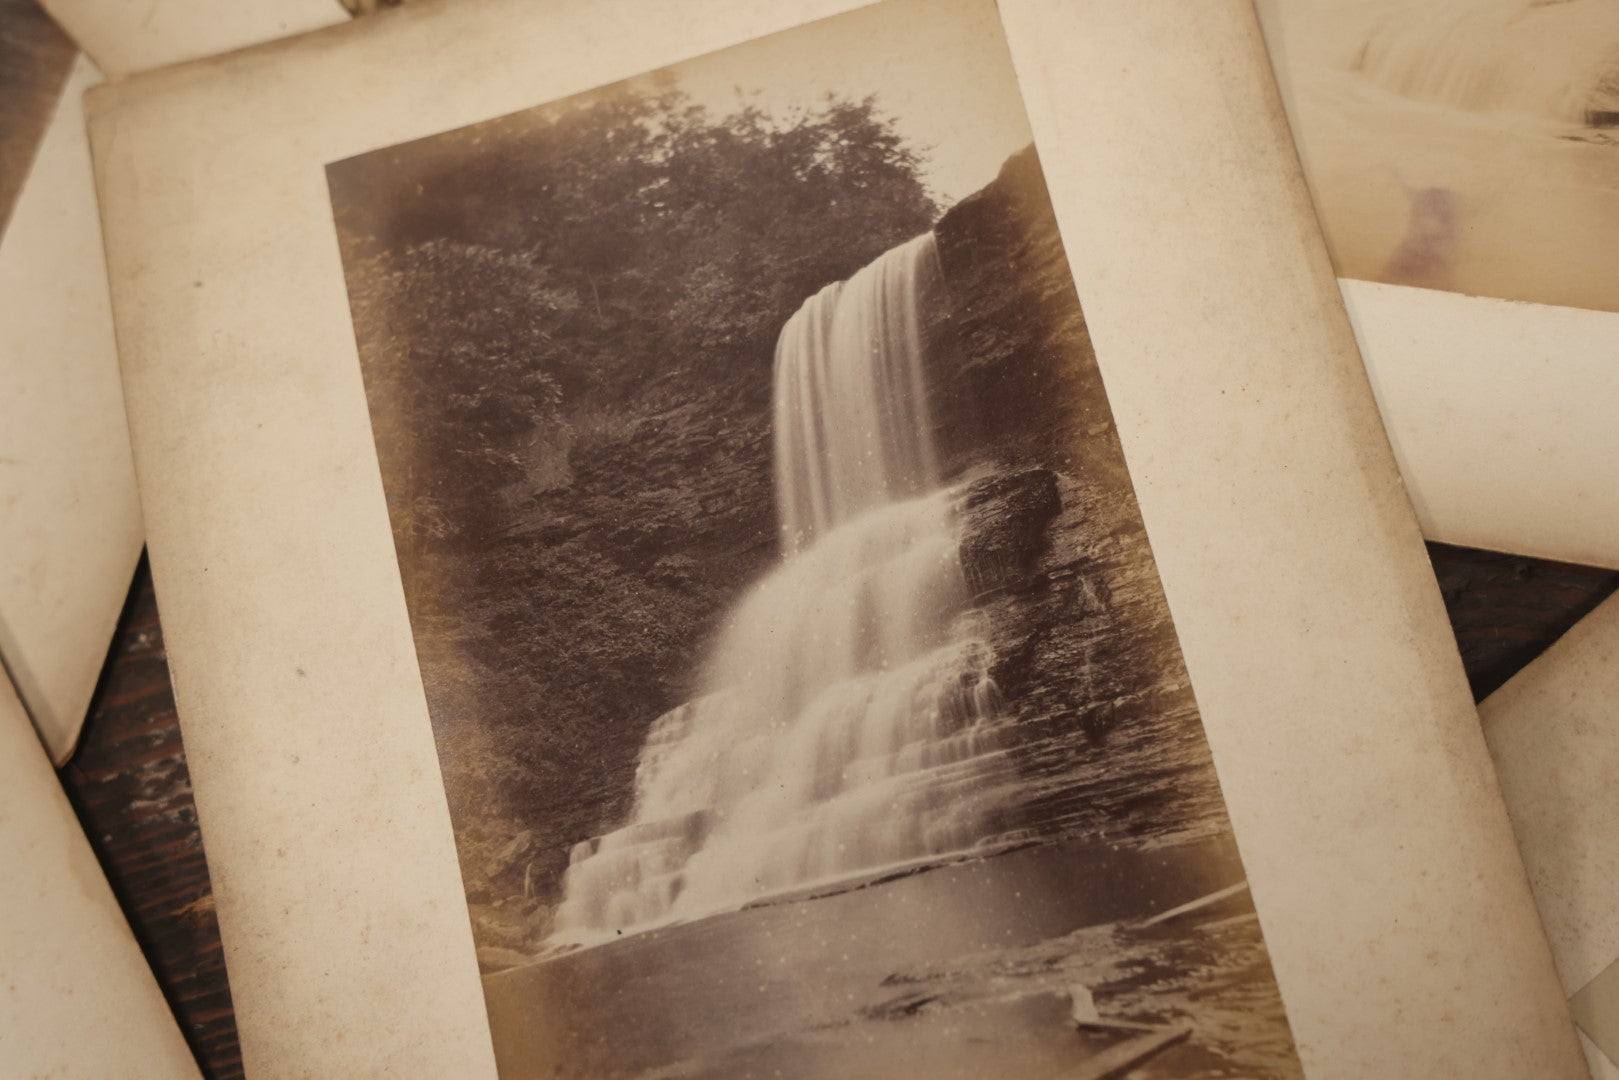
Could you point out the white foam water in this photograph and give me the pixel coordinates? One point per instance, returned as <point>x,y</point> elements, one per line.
<point>849,721</point>
<point>1553,59</point>
<point>851,417</point>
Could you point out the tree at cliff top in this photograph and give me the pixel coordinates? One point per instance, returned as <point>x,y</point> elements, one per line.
<point>566,319</point>
<point>515,274</point>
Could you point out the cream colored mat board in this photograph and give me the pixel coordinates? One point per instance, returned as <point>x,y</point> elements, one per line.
<point>1553,731</point>
<point>70,533</point>
<point>1457,151</point>
<point>126,36</point>
<point>1318,646</point>
<point>1504,417</point>
<point>1596,1011</point>
<point>1364,804</point>
<point>80,1001</point>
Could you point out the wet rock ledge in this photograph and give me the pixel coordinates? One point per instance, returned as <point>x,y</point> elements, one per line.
<point>1005,515</point>
<point>1053,544</point>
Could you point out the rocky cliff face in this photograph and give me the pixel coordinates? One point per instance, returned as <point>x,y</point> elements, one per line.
<point>619,576</point>
<point>1085,653</point>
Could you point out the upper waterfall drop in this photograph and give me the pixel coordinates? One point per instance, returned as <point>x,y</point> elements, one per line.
<point>1492,55</point>
<point>852,426</point>
<point>847,720</point>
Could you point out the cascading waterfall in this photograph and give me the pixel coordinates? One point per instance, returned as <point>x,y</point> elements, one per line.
<point>851,416</point>
<point>849,720</point>
<point>1556,59</point>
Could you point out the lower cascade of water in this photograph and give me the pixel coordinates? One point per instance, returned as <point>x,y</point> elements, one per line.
<point>849,721</point>
<point>855,730</point>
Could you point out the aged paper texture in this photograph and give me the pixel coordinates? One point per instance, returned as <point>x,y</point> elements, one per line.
<point>1316,785</point>
<point>1502,416</point>
<point>1596,1011</point>
<point>1361,794</point>
<point>1460,151</point>
<point>126,36</point>
<point>1552,733</point>
<point>70,533</point>
<point>79,998</point>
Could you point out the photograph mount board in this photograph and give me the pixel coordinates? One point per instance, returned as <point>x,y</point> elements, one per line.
<point>1314,639</point>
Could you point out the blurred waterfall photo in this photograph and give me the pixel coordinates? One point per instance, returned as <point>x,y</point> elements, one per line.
<point>806,698</point>
<point>1464,145</point>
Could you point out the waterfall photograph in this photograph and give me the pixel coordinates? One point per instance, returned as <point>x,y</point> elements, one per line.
<point>1464,145</point>
<point>806,698</point>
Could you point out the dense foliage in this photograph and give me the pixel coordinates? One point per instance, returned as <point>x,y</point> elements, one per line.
<point>566,320</point>
<point>519,273</point>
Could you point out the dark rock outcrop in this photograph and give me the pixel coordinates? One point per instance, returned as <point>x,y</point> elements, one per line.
<point>1082,644</point>
<point>1006,515</point>
<point>1021,387</point>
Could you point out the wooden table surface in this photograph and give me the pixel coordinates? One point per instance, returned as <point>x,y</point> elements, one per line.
<point>129,783</point>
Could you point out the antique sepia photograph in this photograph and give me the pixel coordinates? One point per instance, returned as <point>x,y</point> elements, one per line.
<point>806,697</point>
<point>1464,145</point>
